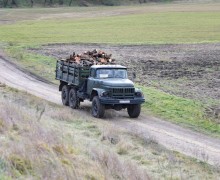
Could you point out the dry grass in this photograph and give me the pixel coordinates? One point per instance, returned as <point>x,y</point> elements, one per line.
<point>115,168</point>
<point>40,140</point>
<point>32,149</point>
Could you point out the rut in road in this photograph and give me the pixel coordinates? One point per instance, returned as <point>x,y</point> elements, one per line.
<point>165,133</point>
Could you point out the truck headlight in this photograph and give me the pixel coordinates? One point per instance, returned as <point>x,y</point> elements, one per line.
<point>139,94</point>
<point>105,94</point>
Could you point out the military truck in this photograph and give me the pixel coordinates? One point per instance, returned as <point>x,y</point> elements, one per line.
<point>106,86</point>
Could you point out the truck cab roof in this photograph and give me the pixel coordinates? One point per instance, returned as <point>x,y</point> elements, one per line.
<point>108,66</point>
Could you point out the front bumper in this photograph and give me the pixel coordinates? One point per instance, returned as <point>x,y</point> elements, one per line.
<point>104,100</point>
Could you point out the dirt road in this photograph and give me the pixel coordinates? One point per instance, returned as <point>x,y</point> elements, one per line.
<point>167,134</point>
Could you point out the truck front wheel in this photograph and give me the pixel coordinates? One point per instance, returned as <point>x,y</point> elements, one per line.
<point>134,110</point>
<point>73,99</point>
<point>65,95</point>
<point>98,109</point>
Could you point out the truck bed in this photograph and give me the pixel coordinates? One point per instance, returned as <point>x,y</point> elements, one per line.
<point>71,73</point>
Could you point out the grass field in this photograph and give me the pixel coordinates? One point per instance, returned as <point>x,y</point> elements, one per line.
<point>154,28</point>
<point>146,25</point>
<point>184,111</point>
<point>41,140</point>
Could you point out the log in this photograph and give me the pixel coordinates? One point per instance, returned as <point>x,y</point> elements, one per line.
<point>89,58</point>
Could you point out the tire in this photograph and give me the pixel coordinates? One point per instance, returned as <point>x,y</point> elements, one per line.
<point>73,99</point>
<point>134,110</point>
<point>98,109</point>
<point>65,95</point>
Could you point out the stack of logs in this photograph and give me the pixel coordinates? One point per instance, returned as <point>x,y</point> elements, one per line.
<point>89,58</point>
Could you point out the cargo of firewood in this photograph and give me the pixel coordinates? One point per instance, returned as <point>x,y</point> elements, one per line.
<point>89,58</point>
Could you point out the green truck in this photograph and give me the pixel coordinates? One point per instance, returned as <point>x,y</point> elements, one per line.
<point>106,86</point>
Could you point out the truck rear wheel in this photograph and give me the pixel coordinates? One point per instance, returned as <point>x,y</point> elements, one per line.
<point>65,95</point>
<point>134,110</point>
<point>98,109</point>
<point>73,99</point>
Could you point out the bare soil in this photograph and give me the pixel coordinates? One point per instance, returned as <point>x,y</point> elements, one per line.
<point>167,134</point>
<point>186,70</point>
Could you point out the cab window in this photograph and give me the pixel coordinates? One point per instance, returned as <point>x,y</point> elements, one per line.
<point>92,73</point>
<point>111,73</point>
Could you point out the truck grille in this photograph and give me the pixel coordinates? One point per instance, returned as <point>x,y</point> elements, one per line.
<point>123,93</point>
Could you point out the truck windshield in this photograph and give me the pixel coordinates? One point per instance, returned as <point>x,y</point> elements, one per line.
<point>111,73</point>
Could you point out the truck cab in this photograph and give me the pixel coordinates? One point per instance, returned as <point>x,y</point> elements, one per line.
<point>111,86</point>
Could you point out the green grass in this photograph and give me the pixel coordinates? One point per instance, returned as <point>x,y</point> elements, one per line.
<point>149,28</point>
<point>180,110</point>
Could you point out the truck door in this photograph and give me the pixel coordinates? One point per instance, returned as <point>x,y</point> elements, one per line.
<point>91,81</point>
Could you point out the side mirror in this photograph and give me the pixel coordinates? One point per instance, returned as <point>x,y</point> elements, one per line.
<point>133,75</point>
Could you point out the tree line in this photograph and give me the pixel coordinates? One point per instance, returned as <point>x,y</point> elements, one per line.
<point>31,3</point>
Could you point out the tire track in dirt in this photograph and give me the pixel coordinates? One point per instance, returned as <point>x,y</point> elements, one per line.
<point>165,133</point>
